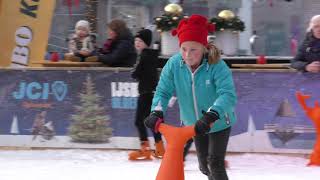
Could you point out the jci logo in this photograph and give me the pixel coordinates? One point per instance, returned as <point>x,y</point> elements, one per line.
<point>35,90</point>
<point>124,95</point>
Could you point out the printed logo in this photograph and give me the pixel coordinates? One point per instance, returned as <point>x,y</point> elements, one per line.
<point>36,91</point>
<point>59,90</point>
<point>124,95</point>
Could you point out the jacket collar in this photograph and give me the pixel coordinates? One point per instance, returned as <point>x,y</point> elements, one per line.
<point>204,62</point>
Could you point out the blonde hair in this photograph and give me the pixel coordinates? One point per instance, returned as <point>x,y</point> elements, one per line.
<point>213,53</point>
<point>313,21</point>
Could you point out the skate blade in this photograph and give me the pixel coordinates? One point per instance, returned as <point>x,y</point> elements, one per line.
<point>157,156</point>
<point>140,159</point>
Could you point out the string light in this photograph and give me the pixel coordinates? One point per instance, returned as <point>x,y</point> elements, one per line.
<point>91,15</point>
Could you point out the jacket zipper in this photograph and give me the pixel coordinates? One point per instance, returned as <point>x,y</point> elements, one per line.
<point>194,91</point>
<point>194,97</point>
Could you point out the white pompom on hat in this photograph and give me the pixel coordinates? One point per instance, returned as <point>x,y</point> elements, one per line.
<point>83,23</point>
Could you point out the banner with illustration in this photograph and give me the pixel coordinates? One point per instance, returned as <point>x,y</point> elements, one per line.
<point>25,29</point>
<point>96,109</point>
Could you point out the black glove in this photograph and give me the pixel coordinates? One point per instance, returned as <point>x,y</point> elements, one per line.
<point>202,126</point>
<point>154,120</point>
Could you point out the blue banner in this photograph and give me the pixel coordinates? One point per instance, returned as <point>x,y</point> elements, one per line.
<point>266,104</point>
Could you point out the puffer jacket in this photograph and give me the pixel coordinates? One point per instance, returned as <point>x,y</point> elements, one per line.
<point>121,53</point>
<point>309,51</point>
<point>146,71</point>
<point>210,86</point>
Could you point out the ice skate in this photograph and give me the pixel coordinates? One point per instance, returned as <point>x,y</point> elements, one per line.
<point>159,150</point>
<point>142,154</point>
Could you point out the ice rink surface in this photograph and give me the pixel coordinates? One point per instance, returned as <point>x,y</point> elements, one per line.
<point>113,165</point>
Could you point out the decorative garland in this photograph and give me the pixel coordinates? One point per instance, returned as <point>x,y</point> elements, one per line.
<point>167,22</point>
<point>233,24</point>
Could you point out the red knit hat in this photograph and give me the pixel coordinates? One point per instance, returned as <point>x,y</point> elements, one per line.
<point>195,28</point>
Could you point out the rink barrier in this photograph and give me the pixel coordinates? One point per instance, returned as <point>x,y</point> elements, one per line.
<point>269,117</point>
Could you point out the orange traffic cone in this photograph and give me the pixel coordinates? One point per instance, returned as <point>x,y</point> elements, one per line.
<point>171,167</point>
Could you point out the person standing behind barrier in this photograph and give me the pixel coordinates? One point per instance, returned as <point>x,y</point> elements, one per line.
<point>80,44</point>
<point>308,56</point>
<point>203,83</point>
<point>118,50</point>
<point>147,75</point>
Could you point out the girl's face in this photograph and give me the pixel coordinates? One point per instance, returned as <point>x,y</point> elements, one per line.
<point>316,30</point>
<point>82,31</point>
<point>111,34</point>
<point>192,53</point>
<point>139,44</point>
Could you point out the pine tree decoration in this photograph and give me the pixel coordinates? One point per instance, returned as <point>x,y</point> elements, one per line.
<point>170,19</point>
<point>167,22</point>
<point>90,123</point>
<point>226,20</point>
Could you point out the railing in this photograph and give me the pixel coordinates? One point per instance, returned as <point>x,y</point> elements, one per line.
<point>69,64</point>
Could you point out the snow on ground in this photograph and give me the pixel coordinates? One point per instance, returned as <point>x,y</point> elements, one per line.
<point>113,165</point>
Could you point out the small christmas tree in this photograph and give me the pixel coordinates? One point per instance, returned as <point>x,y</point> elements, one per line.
<point>90,122</point>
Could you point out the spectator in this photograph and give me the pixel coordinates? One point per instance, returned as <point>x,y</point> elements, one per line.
<point>308,56</point>
<point>118,50</point>
<point>80,44</point>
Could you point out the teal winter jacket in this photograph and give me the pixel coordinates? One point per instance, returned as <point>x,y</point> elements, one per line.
<point>210,86</point>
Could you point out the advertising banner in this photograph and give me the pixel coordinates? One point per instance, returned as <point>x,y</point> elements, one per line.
<point>57,108</point>
<point>25,29</point>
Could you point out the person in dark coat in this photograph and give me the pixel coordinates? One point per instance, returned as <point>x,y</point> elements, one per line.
<point>145,72</point>
<point>308,56</point>
<point>118,50</point>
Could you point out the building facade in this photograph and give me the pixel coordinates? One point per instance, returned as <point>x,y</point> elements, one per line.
<point>276,23</point>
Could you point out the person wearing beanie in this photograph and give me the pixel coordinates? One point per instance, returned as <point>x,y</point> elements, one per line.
<point>206,94</point>
<point>145,35</point>
<point>82,24</point>
<point>145,72</point>
<point>81,44</point>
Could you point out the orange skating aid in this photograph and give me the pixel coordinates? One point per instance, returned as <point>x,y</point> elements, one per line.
<point>171,167</point>
<point>314,114</point>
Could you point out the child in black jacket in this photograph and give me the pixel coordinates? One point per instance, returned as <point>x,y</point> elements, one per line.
<point>146,74</point>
